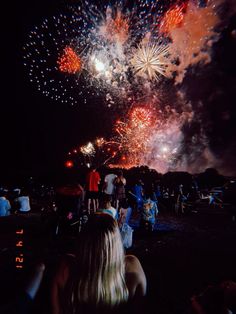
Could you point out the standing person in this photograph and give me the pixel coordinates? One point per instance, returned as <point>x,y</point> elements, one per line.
<point>180,205</point>
<point>5,205</point>
<point>109,187</point>
<point>148,215</point>
<point>125,212</point>
<point>92,181</point>
<point>99,278</point>
<point>139,194</point>
<point>119,183</point>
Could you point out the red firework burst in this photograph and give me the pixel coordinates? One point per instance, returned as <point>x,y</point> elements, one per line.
<point>69,62</point>
<point>173,18</point>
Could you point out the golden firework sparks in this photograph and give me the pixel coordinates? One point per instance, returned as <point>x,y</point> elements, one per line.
<point>150,60</point>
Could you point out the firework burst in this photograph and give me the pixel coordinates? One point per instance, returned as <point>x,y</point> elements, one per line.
<point>150,60</point>
<point>69,62</point>
<point>122,52</point>
<point>173,18</point>
<point>88,51</point>
<point>88,149</point>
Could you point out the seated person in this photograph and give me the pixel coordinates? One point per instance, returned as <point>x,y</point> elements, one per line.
<point>148,215</point>
<point>99,278</point>
<point>105,206</point>
<point>23,201</point>
<point>5,205</point>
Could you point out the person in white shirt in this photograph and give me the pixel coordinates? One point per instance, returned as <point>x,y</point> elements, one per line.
<point>5,205</point>
<point>109,187</point>
<point>23,202</point>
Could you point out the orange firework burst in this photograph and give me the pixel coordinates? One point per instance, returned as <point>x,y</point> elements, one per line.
<point>133,134</point>
<point>173,18</point>
<point>69,61</point>
<point>121,24</point>
<point>141,117</point>
<point>116,29</point>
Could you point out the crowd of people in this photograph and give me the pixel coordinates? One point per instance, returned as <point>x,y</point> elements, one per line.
<point>91,192</point>
<point>99,277</point>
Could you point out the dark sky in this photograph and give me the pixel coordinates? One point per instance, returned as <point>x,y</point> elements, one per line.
<point>37,132</point>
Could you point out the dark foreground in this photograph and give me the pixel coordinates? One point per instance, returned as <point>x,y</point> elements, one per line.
<point>182,256</point>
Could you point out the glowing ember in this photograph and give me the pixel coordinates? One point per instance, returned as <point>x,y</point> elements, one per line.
<point>69,164</point>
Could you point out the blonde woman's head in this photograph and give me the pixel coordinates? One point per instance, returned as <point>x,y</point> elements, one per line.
<point>101,267</point>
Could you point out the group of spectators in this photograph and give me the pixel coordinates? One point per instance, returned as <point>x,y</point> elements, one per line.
<point>113,186</point>
<point>14,201</point>
<point>99,277</point>
<point>111,196</point>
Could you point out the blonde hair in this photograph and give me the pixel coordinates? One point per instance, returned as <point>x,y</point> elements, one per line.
<point>100,276</point>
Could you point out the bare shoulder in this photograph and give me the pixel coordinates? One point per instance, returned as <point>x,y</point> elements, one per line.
<point>135,276</point>
<point>132,263</point>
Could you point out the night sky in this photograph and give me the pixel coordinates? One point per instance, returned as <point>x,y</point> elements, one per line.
<point>38,132</point>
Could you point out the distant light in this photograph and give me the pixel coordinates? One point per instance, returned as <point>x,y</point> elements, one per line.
<point>69,164</point>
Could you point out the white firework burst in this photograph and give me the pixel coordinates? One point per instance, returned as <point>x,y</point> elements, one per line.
<point>88,149</point>
<point>151,60</point>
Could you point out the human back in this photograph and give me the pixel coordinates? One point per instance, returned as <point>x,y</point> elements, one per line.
<point>99,276</point>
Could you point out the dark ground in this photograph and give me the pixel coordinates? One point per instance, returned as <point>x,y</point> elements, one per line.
<point>182,256</point>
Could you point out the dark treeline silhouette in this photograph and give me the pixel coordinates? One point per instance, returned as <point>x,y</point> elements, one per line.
<point>206,180</point>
